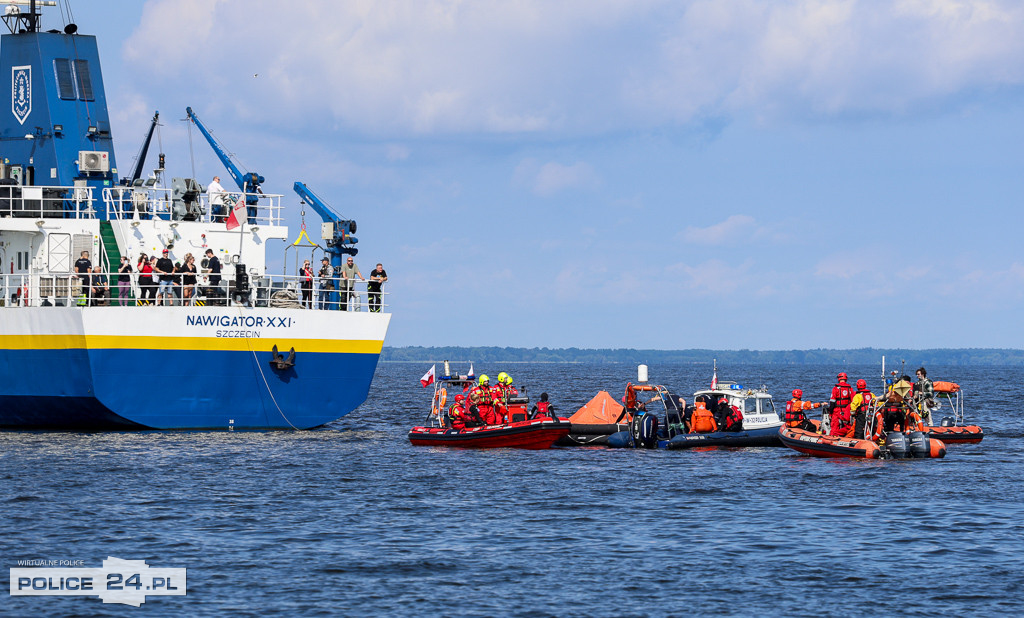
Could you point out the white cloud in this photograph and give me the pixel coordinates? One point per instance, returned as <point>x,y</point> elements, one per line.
<point>720,233</point>
<point>444,67</point>
<point>550,178</point>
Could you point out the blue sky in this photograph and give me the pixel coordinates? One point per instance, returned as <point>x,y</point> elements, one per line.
<point>635,173</point>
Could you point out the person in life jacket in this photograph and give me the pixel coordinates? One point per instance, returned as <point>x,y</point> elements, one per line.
<point>702,421</point>
<point>894,412</point>
<point>860,408</point>
<point>486,400</point>
<point>456,413</point>
<point>543,408</point>
<point>795,416</point>
<point>842,396</point>
<point>505,387</point>
<point>733,418</point>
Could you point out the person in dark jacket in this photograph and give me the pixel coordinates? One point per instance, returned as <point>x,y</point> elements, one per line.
<point>543,408</point>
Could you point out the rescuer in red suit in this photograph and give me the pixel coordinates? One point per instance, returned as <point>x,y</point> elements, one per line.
<point>842,395</point>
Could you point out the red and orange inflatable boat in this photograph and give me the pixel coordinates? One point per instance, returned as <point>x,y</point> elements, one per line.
<point>897,446</point>
<point>538,433</point>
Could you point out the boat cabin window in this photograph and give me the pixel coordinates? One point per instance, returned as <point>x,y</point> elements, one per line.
<point>750,405</point>
<point>767,407</point>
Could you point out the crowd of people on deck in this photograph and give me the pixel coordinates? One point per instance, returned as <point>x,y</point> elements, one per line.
<point>162,281</point>
<point>860,414</point>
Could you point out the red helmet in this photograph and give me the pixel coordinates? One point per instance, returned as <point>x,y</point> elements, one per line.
<point>797,393</point>
<point>861,385</point>
<point>460,397</point>
<point>842,375</point>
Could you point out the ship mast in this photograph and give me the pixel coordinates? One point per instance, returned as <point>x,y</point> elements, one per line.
<point>18,22</point>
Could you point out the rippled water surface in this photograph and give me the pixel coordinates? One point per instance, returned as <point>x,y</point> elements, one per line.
<point>352,520</point>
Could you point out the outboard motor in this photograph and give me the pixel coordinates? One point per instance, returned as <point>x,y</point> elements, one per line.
<point>948,421</point>
<point>896,445</point>
<point>918,445</point>
<point>645,430</point>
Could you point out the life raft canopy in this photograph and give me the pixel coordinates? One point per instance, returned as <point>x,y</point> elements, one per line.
<point>601,410</point>
<point>945,387</point>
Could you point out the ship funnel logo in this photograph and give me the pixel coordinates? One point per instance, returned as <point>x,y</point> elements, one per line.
<point>21,92</point>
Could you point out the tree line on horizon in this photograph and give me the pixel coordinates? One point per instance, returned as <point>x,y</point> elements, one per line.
<point>819,356</point>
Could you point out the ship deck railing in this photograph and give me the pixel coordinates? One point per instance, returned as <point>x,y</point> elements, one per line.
<point>132,203</point>
<point>43,202</point>
<point>266,290</point>
<point>158,203</point>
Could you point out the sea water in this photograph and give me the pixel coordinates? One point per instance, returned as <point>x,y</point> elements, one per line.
<point>350,519</point>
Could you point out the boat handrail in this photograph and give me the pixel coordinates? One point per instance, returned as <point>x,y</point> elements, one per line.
<point>159,203</point>
<point>267,290</point>
<point>42,202</point>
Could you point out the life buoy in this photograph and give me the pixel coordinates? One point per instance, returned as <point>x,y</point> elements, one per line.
<point>630,397</point>
<point>437,404</point>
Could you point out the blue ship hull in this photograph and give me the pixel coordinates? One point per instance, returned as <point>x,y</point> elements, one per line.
<point>87,369</point>
<point>231,393</point>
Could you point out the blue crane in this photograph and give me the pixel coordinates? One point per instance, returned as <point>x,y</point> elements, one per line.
<point>249,182</point>
<point>338,232</point>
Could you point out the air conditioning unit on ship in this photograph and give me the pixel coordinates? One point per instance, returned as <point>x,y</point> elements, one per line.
<point>93,161</point>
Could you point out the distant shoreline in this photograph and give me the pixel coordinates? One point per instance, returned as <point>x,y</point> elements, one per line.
<point>862,356</point>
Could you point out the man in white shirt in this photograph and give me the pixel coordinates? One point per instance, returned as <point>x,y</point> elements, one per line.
<point>215,195</point>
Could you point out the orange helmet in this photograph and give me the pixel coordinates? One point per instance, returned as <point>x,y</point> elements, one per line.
<point>797,393</point>
<point>861,385</point>
<point>841,376</point>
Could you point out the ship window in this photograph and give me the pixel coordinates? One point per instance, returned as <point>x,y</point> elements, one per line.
<point>84,80</point>
<point>65,81</point>
<point>750,405</point>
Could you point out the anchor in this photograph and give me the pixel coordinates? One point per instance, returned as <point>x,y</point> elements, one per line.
<point>278,361</point>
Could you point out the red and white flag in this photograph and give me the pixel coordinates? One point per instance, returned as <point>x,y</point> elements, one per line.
<point>428,377</point>
<point>714,381</point>
<point>237,213</point>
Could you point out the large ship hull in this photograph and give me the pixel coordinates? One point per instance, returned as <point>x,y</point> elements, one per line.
<point>183,367</point>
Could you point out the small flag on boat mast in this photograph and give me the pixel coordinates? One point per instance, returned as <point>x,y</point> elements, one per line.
<point>714,377</point>
<point>470,374</point>
<point>236,217</point>
<point>428,377</point>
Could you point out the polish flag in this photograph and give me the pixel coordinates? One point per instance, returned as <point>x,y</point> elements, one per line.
<point>428,377</point>
<point>714,381</point>
<point>237,213</point>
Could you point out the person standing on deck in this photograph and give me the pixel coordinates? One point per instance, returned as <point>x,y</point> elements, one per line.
<point>860,407</point>
<point>924,395</point>
<point>842,395</point>
<point>165,268</point>
<point>326,283</point>
<point>349,273</point>
<point>124,281</point>
<point>213,267</point>
<point>215,196</point>
<point>377,278</point>
<point>83,266</point>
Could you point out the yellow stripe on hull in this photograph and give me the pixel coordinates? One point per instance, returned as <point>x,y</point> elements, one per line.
<point>230,344</point>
